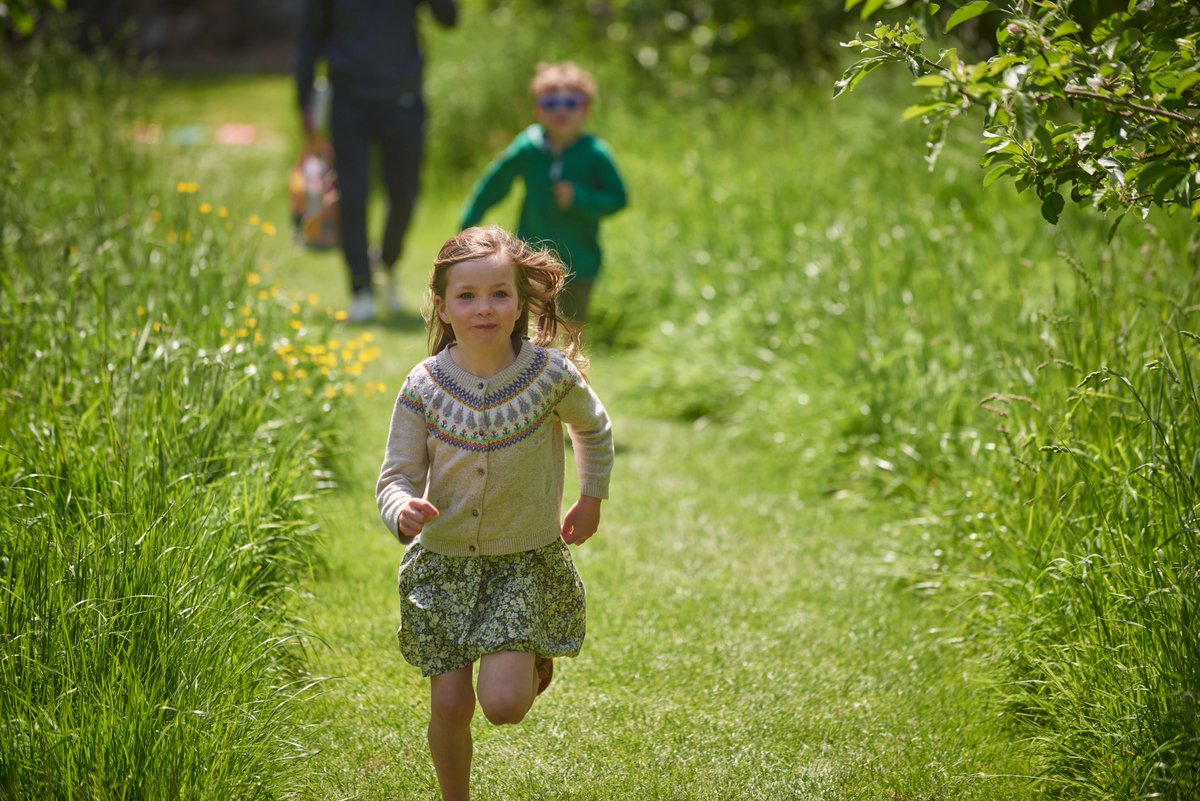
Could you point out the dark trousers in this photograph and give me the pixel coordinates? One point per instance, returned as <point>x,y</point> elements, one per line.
<point>397,128</point>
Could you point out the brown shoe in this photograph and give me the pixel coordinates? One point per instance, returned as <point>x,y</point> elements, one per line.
<point>544,666</point>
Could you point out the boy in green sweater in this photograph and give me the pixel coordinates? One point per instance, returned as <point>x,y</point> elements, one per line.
<point>570,181</point>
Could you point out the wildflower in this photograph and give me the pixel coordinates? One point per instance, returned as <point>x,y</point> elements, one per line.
<point>141,311</point>
<point>205,207</point>
<point>268,229</point>
<point>187,187</point>
<point>277,375</point>
<point>253,279</point>
<point>222,212</point>
<point>155,215</point>
<point>340,315</point>
<point>255,220</point>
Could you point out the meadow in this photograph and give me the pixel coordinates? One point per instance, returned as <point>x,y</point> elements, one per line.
<point>907,496</point>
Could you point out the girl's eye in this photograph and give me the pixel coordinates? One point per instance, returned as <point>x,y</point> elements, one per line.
<point>466,295</point>
<point>500,293</point>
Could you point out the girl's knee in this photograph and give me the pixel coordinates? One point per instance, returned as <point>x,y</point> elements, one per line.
<point>501,708</point>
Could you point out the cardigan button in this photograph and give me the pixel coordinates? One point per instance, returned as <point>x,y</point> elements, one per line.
<point>474,513</point>
<point>471,548</point>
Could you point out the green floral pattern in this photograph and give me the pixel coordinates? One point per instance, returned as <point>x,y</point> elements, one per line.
<point>455,609</point>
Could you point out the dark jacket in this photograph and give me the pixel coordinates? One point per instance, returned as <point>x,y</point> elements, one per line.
<point>371,46</point>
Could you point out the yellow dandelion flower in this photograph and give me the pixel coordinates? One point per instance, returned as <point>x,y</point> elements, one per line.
<point>347,355</point>
<point>331,393</point>
<point>335,344</point>
<point>247,311</point>
<point>263,294</point>
<point>252,322</point>
<point>339,315</point>
<point>255,219</point>
<point>368,336</point>
<point>258,338</point>
<point>313,300</point>
<point>224,332</point>
<point>205,207</point>
<point>294,308</point>
<point>297,325</point>
<point>325,371</point>
<point>222,212</point>
<point>277,375</point>
<point>157,326</point>
<point>314,350</point>
<point>187,236</point>
<point>172,237</point>
<point>243,333</point>
<point>350,389</point>
<point>268,229</point>
<point>141,311</point>
<point>253,279</point>
<point>155,215</point>
<point>301,373</point>
<point>354,369</point>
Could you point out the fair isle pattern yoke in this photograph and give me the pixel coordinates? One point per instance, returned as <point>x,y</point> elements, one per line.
<point>503,417</point>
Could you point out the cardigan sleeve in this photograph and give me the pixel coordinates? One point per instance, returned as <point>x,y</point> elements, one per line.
<point>405,467</point>
<point>591,435</point>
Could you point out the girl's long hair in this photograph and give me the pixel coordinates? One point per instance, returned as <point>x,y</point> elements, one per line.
<point>540,276</point>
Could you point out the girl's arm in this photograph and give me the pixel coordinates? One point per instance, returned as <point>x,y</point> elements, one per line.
<point>590,430</point>
<point>405,465</point>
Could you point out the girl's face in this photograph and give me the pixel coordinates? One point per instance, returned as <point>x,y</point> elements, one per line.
<point>481,304</point>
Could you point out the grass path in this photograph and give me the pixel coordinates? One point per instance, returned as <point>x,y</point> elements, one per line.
<point>751,634</point>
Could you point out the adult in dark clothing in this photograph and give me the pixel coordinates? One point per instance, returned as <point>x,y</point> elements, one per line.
<point>375,68</point>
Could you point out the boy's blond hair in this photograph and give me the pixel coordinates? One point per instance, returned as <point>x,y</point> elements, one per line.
<point>564,75</point>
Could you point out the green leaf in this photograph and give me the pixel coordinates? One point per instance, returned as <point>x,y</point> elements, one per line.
<point>968,12</point>
<point>1052,206</point>
<point>870,7</point>
<point>930,81</point>
<point>994,174</point>
<point>920,111</point>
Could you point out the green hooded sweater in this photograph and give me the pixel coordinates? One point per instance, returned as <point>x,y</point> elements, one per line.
<point>573,233</point>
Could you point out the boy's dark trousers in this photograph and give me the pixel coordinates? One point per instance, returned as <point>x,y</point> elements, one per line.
<point>397,127</point>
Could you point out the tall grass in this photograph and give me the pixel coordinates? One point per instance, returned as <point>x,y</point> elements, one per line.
<point>167,415</point>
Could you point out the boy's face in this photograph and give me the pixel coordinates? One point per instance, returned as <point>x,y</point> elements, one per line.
<point>562,112</point>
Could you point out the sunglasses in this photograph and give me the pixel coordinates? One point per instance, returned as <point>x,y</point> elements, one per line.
<point>565,102</point>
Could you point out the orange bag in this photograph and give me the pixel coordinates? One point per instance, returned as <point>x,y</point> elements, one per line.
<point>313,196</point>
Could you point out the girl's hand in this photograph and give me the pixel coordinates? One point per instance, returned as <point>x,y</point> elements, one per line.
<point>581,521</point>
<point>564,194</point>
<point>414,514</point>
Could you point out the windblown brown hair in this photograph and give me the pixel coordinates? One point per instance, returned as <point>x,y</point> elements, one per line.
<point>540,276</point>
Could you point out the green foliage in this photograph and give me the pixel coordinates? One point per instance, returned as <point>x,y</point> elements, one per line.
<point>1095,102</point>
<point>681,46</point>
<point>154,475</point>
<point>21,16</point>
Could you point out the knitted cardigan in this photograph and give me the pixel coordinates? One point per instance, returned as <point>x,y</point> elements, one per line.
<point>488,453</point>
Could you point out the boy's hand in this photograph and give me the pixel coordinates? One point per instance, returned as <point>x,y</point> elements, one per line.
<point>564,194</point>
<point>581,521</point>
<point>414,514</point>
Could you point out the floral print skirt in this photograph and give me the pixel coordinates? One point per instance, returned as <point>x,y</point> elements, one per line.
<point>455,609</point>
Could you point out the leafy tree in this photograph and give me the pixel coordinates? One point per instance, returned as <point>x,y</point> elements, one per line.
<point>1098,100</point>
<point>21,15</point>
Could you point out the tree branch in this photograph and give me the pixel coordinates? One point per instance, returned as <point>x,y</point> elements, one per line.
<point>1075,91</point>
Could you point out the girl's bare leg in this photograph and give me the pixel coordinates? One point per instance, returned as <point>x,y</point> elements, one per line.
<point>452,704</point>
<point>507,686</point>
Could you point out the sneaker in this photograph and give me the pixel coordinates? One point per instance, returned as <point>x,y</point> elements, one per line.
<point>392,291</point>
<point>362,308</point>
<point>544,666</point>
